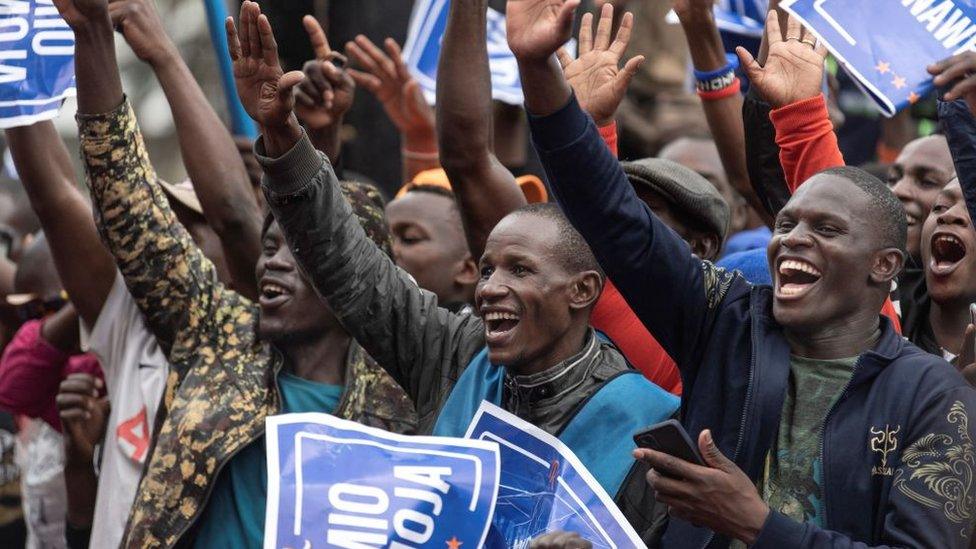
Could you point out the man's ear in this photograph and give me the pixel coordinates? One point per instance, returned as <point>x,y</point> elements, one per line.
<point>467,272</point>
<point>887,264</point>
<point>706,246</point>
<point>585,289</point>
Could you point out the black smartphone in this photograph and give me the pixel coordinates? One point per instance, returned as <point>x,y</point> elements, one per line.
<point>669,437</point>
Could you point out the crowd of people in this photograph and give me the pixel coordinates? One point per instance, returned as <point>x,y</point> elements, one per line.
<point>811,325</point>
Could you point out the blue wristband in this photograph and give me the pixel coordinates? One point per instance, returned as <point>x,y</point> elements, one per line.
<point>731,66</point>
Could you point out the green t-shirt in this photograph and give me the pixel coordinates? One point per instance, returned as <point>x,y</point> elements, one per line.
<point>793,484</point>
<point>234,516</point>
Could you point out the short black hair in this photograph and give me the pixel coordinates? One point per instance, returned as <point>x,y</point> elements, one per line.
<point>432,189</point>
<point>888,213</point>
<point>573,252</point>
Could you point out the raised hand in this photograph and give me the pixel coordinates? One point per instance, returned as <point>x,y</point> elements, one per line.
<point>966,361</point>
<point>795,66</point>
<point>84,411</point>
<point>537,28</point>
<point>385,75</point>
<point>599,83</point>
<point>264,89</point>
<point>327,92</point>
<point>957,71</point>
<point>560,540</point>
<point>81,13</point>
<point>139,23</point>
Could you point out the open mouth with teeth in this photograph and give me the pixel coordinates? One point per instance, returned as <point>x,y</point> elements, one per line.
<point>499,324</point>
<point>948,251</point>
<point>273,294</point>
<point>795,278</point>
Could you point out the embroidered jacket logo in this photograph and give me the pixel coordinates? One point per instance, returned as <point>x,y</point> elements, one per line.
<point>884,442</point>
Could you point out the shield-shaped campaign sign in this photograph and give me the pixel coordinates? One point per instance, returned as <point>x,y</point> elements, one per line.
<point>886,45</point>
<point>335,483</point>
<point>36,62</point>
<point>545,487</point>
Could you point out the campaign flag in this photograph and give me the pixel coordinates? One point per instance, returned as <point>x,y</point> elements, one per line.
<point>36,62</point>
<point>544,487</point>
<point>745,17</point>
<point>336,483</point>
<point>423,48</point>
<point>886,44</point>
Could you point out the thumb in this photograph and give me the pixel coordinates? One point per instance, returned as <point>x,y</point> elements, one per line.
<point>288,81</point>
<point>967,355</point>
<point>749,63</point>
<point>713,457</point>
<point>565,17</point>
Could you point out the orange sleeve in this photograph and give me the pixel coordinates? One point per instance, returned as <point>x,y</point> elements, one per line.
<point>613,317</point>
<point>806,139</point>
<point>609,135</point>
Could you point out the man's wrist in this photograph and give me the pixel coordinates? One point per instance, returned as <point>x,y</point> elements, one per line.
<point>422,142</point>
<point>95,29</point>
<point>166,57</point>
<point>280,139</point>
<point>756,523</point>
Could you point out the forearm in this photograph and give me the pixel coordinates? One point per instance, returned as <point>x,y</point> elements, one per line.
<point>397,323</point>
<point>724,115</point>
<point>96,70</point>
<point>545,89</point>
<point>328,140</point>
<point>217,171</point>
<point>81,487</point>
<point>960,131</point>
<point>84,266</point>
<point>653,268</point>
<point>173,284</point>
<point>418,153</point>
<point>762,154</point>
<point>806,140</point>
<point>485,190</point>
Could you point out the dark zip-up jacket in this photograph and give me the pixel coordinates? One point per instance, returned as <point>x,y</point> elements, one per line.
<point>897,448</point>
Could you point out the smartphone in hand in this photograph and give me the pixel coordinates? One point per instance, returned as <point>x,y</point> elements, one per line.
<point>669,437</point>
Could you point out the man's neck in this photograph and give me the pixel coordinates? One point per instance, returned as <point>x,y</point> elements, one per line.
<point>568,346</point>
<point>853,337</point>
<point>949,321</point>
<point>322,359</point>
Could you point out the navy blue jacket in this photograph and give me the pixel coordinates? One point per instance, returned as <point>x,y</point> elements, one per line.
<point>897,450</point>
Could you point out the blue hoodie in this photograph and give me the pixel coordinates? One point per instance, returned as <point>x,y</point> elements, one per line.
<point>897,448</point>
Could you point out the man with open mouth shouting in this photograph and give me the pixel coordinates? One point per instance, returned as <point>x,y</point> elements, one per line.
<point>529,350</point>
<point>818,425</point>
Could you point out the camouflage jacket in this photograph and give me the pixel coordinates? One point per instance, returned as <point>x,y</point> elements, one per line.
<point>222,381</point>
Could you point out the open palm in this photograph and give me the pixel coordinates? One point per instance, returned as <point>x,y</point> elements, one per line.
<point>265,91</point>
<point>596,78</point>
<point>794,69</point>
<point>537,28</point>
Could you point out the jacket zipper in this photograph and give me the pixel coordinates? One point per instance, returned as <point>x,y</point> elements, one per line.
<point>745,411</point>
<point>823,430</point>
<point>206,498</point>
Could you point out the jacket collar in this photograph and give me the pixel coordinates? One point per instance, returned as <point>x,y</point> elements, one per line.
<point>556,381</point>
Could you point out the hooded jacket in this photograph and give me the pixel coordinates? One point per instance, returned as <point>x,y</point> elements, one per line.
<point>897,448</point>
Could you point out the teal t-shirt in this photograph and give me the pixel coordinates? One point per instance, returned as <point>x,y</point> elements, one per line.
<point>234,516</point>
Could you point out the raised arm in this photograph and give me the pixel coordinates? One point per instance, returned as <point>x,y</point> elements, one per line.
<point>174,285</point>
<point>485,190</point>
<point>84,265</point>
<point>653,268</point>
<point>790,81</point>
<point>423,346</point>
<point>723,109</point>
<point>385,75</point>
<point>212,162</point>
<point>956,114</point>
